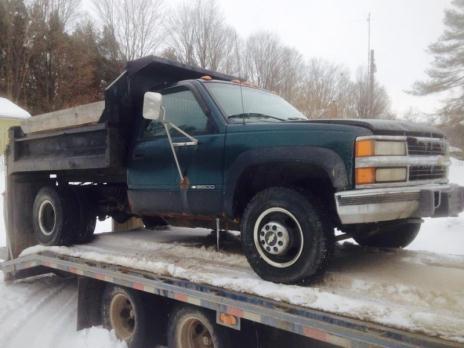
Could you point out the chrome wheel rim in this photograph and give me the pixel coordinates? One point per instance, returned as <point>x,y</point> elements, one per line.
<point>278,237</point>
<point>47,217</point>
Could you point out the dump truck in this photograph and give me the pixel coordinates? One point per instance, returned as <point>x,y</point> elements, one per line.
<point>179,145</point>
<point>174,145</point>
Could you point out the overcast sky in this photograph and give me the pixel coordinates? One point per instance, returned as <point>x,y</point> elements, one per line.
<point>336,30</point>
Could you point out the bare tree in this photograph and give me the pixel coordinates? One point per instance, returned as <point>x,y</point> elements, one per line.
<point>327,91</point>
<point>376,105</point>
<point>264,59</point>
<point>136,25</point>
<point>198,36</point>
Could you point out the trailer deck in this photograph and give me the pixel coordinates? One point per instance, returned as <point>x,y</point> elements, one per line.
<point>223,282</point>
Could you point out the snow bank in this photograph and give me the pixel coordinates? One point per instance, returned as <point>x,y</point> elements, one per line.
<point>42,313</point>
<point>402,289</point>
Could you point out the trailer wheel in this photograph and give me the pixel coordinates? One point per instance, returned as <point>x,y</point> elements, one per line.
<point>387,236</point>
<point>286,237</point>
<point>124,311</point>
<point>87,218</point>
<point>191,327</point>
<point>54,216</point>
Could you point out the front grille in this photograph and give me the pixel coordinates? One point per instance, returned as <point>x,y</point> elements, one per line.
<point>426,147</point>
<point>427,172</point>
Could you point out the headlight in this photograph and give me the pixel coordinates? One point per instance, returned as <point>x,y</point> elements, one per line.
<point>372,147</point>
<point>366,176</point>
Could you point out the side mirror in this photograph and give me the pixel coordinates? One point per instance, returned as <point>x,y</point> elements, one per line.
<point>152,106</point>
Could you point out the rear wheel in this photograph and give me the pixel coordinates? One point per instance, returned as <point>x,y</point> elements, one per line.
<point>191,327</point>
<point>124,311</point>
<point>398,235</point>
<point>285,237</point>
<point>55,216</point>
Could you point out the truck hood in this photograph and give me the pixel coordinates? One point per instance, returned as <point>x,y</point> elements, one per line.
<point>389,127</point>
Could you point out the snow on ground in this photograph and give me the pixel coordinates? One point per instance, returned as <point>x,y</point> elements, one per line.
<point>404,289</point>
<point>444,235</point>
<point>42,313</point>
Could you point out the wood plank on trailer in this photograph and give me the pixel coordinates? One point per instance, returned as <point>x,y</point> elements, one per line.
<point>66,118</point>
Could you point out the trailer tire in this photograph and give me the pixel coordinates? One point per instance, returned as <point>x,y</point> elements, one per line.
<point>87,218</point>
<point>54,216</point>
<point>286,237</point>
<point>125,312</point>
<point>194,327</point>
<point>387,236</point>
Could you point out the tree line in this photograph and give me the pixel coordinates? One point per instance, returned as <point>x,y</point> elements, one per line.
<point>53,55</point>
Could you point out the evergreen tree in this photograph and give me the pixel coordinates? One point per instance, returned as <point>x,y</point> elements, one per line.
<point>446,73</point>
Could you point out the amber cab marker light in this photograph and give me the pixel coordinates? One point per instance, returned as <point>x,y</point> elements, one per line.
<point>365,148</point>
<point>206,78</point>
<point>365,176</point>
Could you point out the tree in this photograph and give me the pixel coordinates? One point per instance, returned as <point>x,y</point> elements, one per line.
<point>327,91</point>
<point>136,25</point>
<point>198,36</point>
<point>446,73</point>
<point>371,101</point>
<point>14,42</point>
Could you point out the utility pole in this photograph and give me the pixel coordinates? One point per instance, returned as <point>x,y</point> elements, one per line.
<point>371,70</point>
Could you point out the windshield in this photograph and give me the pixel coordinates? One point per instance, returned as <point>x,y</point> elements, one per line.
<point>254,105</point>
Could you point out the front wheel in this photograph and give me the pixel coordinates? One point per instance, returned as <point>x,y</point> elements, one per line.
<point>285,237</point>
<point>398,235</point>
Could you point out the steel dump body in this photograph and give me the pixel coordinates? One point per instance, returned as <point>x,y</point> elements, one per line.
<point>95,139</point>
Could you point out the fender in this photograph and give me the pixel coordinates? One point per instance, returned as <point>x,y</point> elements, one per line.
<point>326,159</point>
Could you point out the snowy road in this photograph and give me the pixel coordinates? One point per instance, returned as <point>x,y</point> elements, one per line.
<point>42,312</point>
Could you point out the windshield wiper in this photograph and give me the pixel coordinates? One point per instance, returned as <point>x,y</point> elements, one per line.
<point>256,115</point>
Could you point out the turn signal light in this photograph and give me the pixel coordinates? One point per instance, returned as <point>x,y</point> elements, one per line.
<point>365,148</point>
<point>365,176</point>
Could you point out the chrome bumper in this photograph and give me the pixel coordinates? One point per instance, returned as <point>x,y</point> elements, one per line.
<point>386,204</point>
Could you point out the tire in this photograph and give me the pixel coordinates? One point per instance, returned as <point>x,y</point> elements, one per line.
<point>189,327</point>
<point>87,218</point>
<point>398,235</point>
<point>125,312</point>
<point>54,216</point>
<point>286,237</point>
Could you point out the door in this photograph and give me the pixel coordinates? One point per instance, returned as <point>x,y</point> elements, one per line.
<point>153,179</point>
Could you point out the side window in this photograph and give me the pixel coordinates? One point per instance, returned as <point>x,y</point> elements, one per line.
<point>183,110</point>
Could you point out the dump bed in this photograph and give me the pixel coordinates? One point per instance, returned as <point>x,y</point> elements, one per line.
<point>92,142</point>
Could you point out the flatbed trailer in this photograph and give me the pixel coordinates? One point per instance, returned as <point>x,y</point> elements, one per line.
<point>231,308</point>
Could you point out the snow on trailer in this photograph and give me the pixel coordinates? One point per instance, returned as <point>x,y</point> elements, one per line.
<point>403,298</point>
